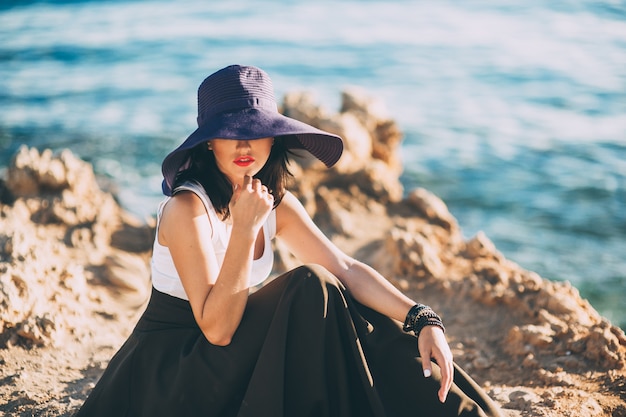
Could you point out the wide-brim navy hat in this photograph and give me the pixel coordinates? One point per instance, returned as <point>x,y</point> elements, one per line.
<point>237,102</point>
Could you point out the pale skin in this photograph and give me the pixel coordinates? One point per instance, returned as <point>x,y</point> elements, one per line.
<point>218,296</point>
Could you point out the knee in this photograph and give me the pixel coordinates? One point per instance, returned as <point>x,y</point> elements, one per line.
<point>314,270</point>
<point>316,275</point>
<point>316,288</point>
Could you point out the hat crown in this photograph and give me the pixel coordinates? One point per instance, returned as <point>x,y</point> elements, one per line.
<point>233,88</point>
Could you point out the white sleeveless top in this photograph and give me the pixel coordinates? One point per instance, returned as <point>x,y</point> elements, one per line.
<point>165,278</point>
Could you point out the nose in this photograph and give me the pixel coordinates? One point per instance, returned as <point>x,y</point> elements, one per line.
<point>243,144</point>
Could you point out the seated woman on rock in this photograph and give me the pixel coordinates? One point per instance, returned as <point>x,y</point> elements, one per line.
<point>330,338</point>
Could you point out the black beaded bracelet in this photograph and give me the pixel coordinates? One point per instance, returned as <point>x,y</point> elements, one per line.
<point>420,316</point>
<point>412,316</point>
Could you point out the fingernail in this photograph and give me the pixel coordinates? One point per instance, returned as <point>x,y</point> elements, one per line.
<point>427,373</point>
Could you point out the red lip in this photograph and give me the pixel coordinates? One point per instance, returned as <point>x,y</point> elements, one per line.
<point>244,161</point>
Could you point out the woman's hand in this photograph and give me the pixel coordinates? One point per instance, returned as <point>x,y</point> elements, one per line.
<point>250,204</point>
<point>432,344</point>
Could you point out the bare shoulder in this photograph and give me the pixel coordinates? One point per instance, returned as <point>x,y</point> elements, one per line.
<point>289,206</point>
<point>288,202</point>
<point>183,203</point>
<point>180,213</point>
<point>291,214</point>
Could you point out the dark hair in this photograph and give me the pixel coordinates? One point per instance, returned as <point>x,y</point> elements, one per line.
<point>203,169</point>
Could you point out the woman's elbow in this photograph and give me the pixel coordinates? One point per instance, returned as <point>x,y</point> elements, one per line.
<point>218,339</point>
<point>223,341</point>
<point>217,335</point>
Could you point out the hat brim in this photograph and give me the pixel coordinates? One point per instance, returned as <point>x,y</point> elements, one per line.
<point>250,124</point>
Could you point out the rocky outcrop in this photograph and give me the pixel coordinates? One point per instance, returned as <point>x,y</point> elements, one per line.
<point>61,237</point>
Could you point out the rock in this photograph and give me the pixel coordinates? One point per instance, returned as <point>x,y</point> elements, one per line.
<point>408,255</point>
<point>55,235</point>
<point>522,340</point>
<point>127,271</point>
<point>432,207</point>
<point>372,114</point>
<point>480,246</point>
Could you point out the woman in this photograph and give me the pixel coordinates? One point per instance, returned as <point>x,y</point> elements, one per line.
<point>324,339</point>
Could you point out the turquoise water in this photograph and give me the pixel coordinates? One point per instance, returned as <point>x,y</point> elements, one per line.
<point>513,112</point>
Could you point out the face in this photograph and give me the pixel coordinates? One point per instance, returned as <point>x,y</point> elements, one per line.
<point>236,158</point>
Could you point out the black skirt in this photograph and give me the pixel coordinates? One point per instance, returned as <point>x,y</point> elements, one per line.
<point>304,348</point>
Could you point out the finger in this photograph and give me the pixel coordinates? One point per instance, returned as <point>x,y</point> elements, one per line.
<point>257,186</point>
<point>426,364</point>
<point>450,379</point>
<point>236,193</point>
<point>247,181</point>
<point>446,383</point>
<point>447,376</point>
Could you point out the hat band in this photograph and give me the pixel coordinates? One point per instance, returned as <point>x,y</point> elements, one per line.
<point>237,104</point>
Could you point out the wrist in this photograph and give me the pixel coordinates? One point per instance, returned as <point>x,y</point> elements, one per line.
<point>420,316</point>
<point>242,241</point>
<point>243,234</point>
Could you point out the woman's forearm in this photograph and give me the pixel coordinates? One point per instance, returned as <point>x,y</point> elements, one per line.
<point>226,299</point>
<point>372,289</point>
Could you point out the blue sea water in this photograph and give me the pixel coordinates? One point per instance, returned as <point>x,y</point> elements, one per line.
<point>514,112</point>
